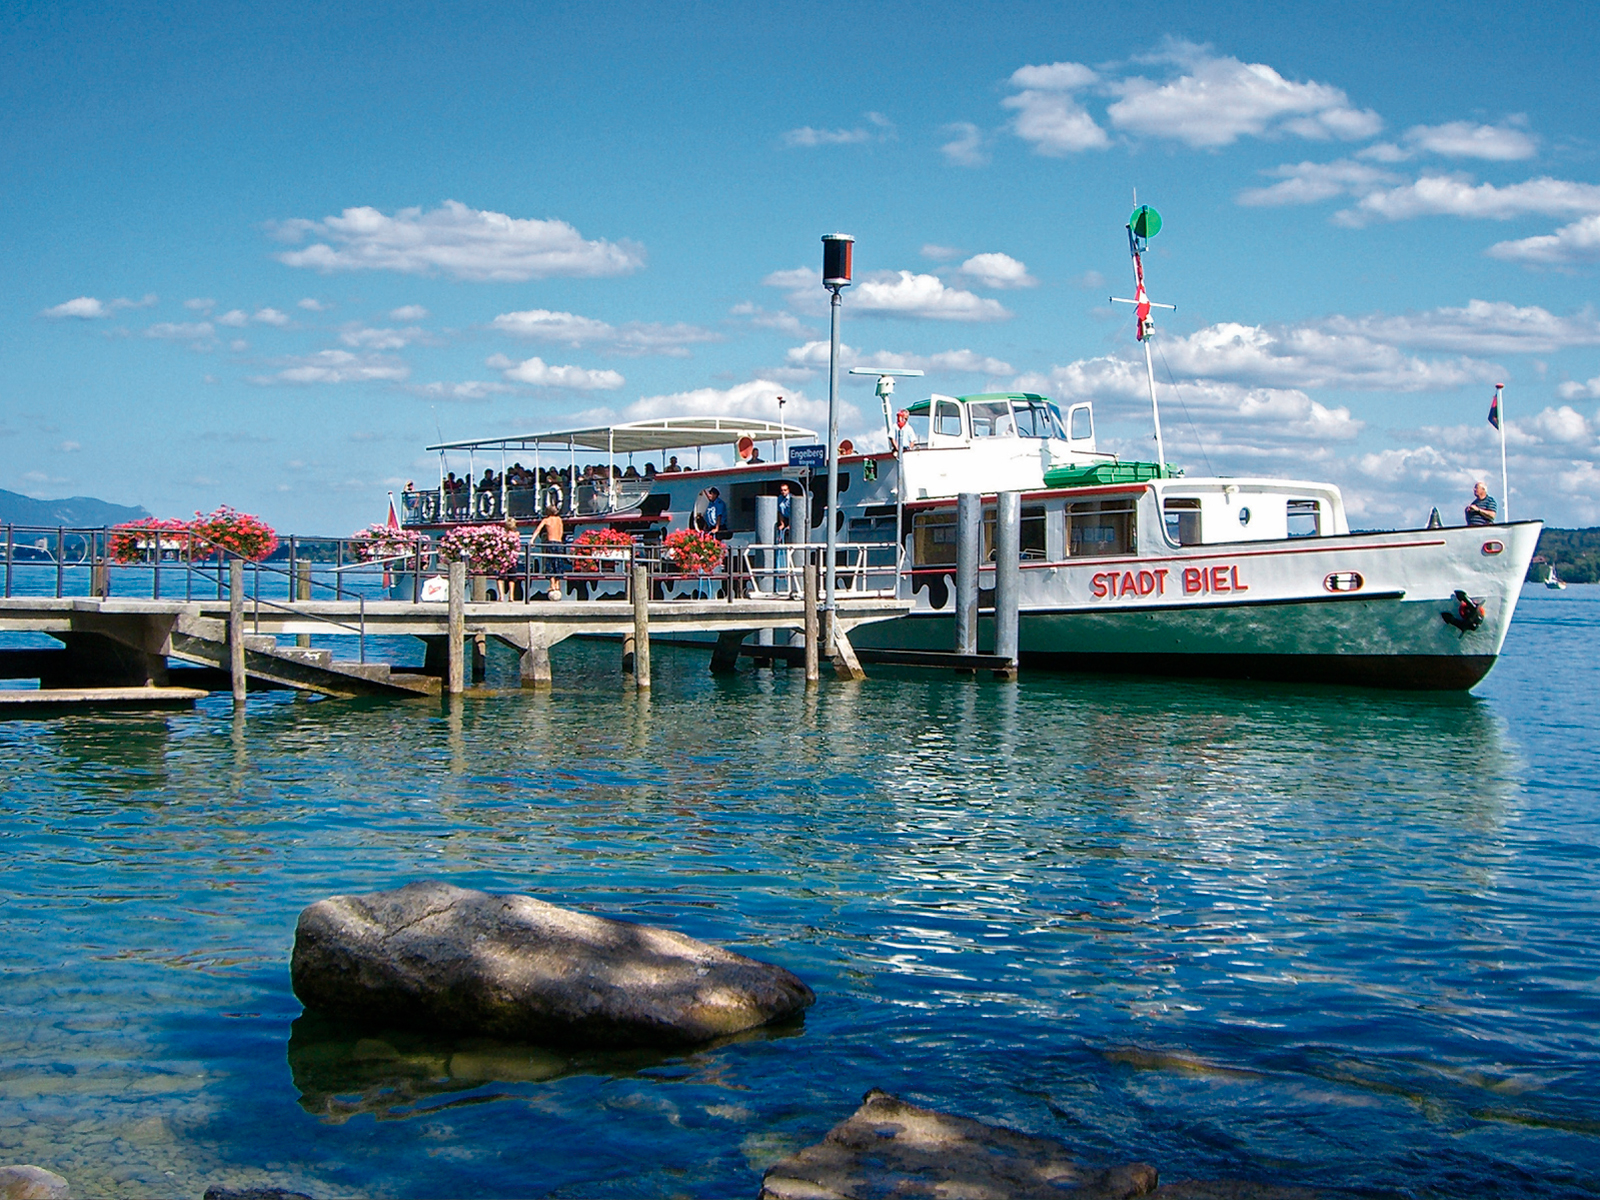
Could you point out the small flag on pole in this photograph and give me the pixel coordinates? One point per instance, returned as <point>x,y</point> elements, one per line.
<point>1494,409</point>
<point>394,518</point>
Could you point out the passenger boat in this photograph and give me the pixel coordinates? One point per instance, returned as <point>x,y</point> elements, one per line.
<point>1127,566</point>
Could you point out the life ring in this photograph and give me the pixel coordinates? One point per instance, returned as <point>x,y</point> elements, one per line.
<point>484,504</point>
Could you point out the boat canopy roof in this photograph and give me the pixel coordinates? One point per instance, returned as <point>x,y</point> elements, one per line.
<point>666,433</point>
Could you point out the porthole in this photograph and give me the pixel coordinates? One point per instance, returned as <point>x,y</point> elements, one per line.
<point>1244,516</point>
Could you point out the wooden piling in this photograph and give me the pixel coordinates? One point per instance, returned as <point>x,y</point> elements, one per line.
<point>302,591</point>
<point>456,632</point>
<point>813,669</point>
<point>236,670</point>
<point>641,626</point>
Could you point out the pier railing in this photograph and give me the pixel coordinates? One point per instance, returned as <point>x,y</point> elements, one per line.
<point>175,564</point>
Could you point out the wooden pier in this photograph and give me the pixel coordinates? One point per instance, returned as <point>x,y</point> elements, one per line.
<point>128,644</point>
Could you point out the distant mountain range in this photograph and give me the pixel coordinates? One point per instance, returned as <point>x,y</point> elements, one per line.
<point>85,512</point>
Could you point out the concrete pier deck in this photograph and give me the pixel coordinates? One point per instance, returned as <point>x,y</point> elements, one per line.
<point>120,642</point>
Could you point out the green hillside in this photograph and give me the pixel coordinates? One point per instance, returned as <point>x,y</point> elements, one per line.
<point>1574,553</point>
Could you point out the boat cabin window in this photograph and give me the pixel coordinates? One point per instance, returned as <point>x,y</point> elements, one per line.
<point>1305,518</point>
<point>947,419</point>
<point>1035,419</point>
<point>1182,515</point>
<point>933,538</point>
<point>1097,527</point>
<point>990,418</point>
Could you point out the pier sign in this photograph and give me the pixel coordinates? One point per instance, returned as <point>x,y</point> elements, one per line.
<point>812,457</point>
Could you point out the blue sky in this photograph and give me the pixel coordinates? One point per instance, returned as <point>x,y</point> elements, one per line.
<point>262,256</point>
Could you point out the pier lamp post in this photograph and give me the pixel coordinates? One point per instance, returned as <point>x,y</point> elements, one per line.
<point>836,250</point>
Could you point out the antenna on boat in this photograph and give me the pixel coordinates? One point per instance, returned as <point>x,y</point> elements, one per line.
<point>1143,224</point>
<point>886,377</point>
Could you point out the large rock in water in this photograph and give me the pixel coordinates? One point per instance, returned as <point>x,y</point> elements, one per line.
<point>437,957</point>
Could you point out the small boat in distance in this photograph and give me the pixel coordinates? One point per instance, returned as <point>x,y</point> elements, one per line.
<point>1552,580</point>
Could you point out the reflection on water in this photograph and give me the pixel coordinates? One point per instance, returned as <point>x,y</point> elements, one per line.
<point>343,1071</point>
<point>1338,937</point>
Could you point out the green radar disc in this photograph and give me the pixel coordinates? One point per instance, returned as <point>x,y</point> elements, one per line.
<point>1145,222</point>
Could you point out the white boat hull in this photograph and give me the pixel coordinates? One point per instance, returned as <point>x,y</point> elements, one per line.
<point>1274,615</point>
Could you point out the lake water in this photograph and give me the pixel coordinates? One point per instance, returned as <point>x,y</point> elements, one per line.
<point>1331,937</point>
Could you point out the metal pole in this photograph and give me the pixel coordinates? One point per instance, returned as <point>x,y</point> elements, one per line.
<point>969,558</point>
<point>10,540</point>
<point>61,565</point>
<point>1155,409</point>
<point>1007,578</point>
<point>641,626</point>
<point>363,629</point>
<point>833,466</point>
<point>1505,483</point>
<point>813,672</point>
<point>302,591</point>
<point>766,535</point>
<point>457,629</point>
<point>236,669</point>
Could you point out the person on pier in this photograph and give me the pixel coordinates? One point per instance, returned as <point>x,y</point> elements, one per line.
<point>553,532</point>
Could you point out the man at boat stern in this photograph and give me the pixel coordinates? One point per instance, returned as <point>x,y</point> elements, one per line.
<point>1481,509</point>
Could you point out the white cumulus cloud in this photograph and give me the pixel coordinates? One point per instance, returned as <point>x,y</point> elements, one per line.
<point>1048,111</point>
<point>881,130</point>
<point>87,308</point>
<point>234,318</point>
<point>1312,182</point>
<point>631,338</point>
<point>408,312</point>
<point>966,147</point>
<point>336,366</point>
<point>997,271</point>
<point>1569,245</point>
<point>1466,139</point>
<point>455,240</point>
<point>1216,100</point>
<point>1457,196</point>
<point>271,316</point>
<point>757,399</point>
<point>907,294</point>
<point>538,373</point>
<point>814,355</point>
<point>382,339</point>
<point>1481,327</point>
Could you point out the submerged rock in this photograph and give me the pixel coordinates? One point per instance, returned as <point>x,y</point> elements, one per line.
<point>437,957</point>
<point>217,1192</point>
<point>890,1148</point>
<point>32,1183</point>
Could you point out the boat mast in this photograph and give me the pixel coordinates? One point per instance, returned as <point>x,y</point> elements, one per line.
<point>1144,224</point>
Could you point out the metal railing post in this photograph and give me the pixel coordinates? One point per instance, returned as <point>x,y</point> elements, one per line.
<point>61,560</point>
<point>257,597</point>
<point>10,538</point>
<point>363,629</point>
<point>338,572</point>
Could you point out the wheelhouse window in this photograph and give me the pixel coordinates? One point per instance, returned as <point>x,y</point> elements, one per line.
<point>1082,423</point>
<point>990,418</point>
<point>917,419</point>
<point>1035,419</point>
<point>1305,518</point>
<point>1099,527</point>
<point>947,420</point>
<point>1182,515</point>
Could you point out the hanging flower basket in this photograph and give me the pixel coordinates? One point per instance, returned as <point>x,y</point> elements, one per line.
<point>381,541</point>
<point>694,551</point>
<point>236,532</point>
<point>486,549</point>
<point>597,546</point>
<point>148,540</point>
